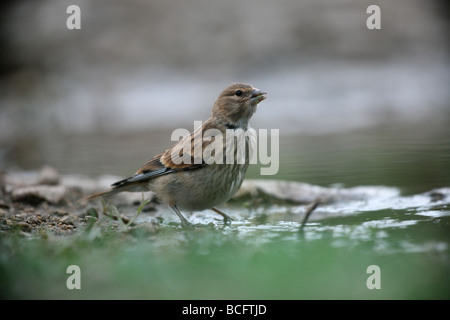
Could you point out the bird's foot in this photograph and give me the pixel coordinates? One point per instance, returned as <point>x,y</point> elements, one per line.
<point>226,218</point>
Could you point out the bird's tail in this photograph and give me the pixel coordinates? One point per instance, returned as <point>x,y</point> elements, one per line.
<point>94,196</point>
<point>120,186</point>
<point>110,192</point>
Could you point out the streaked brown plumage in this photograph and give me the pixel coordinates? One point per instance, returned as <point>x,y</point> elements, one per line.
<point>198,185</point>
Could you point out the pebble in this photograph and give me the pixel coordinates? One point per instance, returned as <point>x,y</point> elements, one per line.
<point>48,176</point>
<point>39,193</point>
<point>23,226</point>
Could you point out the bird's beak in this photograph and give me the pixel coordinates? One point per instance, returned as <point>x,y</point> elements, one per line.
<point>258,95</point>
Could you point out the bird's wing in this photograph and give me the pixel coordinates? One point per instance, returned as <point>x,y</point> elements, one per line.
<point>186,154</point>
<point>151,169</point>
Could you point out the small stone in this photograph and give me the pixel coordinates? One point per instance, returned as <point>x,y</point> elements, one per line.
<point>23,226</point>
<point>60,213</point>
<point>38,194</point>
<point>48,176</point>
<point>3,205</point>
<point>436,196</point>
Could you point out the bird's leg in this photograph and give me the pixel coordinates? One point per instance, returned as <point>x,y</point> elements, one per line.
<point>226,218</point>
<point>184,221</point>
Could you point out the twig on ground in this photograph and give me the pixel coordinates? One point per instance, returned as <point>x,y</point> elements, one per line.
<point>308,212</point>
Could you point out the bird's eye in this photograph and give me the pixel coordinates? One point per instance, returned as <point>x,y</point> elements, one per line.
<point>238,93</point>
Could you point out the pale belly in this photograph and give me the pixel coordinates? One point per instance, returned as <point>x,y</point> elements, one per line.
<point>202,188</point>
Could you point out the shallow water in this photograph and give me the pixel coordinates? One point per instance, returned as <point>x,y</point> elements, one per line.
<point>380,216</point>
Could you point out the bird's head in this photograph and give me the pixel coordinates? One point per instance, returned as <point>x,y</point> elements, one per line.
<point>237,103</point>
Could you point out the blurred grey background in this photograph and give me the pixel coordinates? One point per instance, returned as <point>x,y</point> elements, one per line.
<point>107,97</point>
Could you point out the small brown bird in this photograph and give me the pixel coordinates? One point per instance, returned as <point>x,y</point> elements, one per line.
<point>196,184</point>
